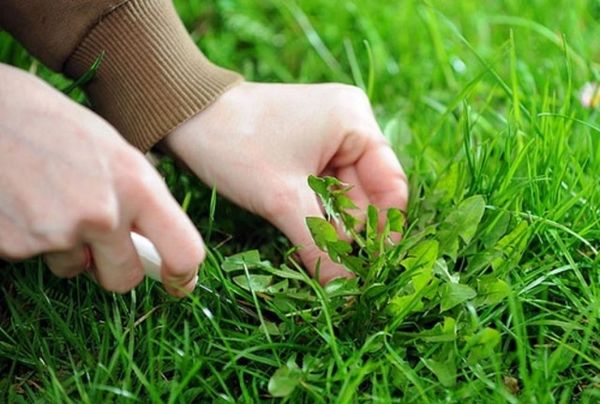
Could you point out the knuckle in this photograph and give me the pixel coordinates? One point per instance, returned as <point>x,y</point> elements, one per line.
<point>134,174</point>
<point>349,93</point>
<point>143,186</point>
<point>62,241</point>
<point>14,254</point>
<point>103,218</point>
<point>351,109</point>
<point>15,248</point>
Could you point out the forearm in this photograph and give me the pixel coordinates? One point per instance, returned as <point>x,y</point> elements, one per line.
<point>152,77</point>
<point>52,30</point>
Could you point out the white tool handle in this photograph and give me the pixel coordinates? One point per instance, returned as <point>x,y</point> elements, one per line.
<point>148,255</point>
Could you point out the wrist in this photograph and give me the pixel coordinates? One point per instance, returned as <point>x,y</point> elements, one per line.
<point>152,77</point>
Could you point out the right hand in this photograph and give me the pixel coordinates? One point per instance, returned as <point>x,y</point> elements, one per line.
<point>69,182</point>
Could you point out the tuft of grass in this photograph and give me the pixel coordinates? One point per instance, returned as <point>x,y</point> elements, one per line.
<point>492,295</point>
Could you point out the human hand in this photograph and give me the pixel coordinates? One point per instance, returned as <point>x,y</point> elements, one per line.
<point>258,143</point>
<point>70,182</point>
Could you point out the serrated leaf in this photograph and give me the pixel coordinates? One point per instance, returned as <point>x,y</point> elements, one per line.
<point>322,231</point>
<point>445,371</point>
<point>454,294</point>
<point>396,220</point>
<point>257,283</point>
<point>319,185</point>
<point>482,344</point>
<point>441,332</point>
<point>279,287</point>
<point>421,256</point>
<point>284,381</point>
<point>491,290</point>
<point>341,286</point>
<point>358,265</point>
<point>446,186</point>
<point>268,327</point>
<point>338,249</point>
<point>247,259</point>
<point>374,290</point>
<point>372,222</point>
<point>461,223</point>
<point>512,245</point>
<point>420,262</point>
<point>441,270</point>
<point>422,279</point>
<point>400,305</point>
<point>343,202</point>
<point>496,228</point>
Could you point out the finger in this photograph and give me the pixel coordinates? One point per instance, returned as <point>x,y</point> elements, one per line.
<point>178,242</point>
<point>349,175</point>
<point>290,218</point>
<point>382,177</point>
<point>67,264</point>
<point>117,265</point>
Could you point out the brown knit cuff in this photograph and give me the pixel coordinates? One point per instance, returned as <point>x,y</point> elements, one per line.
<point>152,77</point>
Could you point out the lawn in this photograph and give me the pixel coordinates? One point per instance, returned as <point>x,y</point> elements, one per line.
<point>494,293</point>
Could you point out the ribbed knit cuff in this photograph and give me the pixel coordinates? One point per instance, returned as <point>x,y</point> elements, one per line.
<point>152,77</point>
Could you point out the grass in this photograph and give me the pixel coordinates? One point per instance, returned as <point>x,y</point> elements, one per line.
<point>494,293</point>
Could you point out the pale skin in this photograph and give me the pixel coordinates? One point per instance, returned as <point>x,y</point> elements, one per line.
<point>271,137</point>
<point>69,180</point>
<point>72,181</point>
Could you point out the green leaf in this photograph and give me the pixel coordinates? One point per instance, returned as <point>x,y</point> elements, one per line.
<point>422,279</point>
<point>372,222</point>
<point>419,263</point>
<point>467,217</point>
<point>319,185</point>
<point>284,381</point>
<point>454,294</point>
<point>491,290</point>
<point>249,259</point>
<point>358,265</point>
<point>257,283</point>
<point>401,305</point>
<point>561,358</point>
<point>87,76</point>
<point>279,287</point>
<point>496,228</point>
<point>445,371</point>
<point>396,220</point>
<point>270,328</point>
<point>441,270</point>
<point>341,287</point>
<point>461,223</point>
<point>322,231</point>
<point>482,344</point>
<point>447,184</point>
<point>338,249</point>
<point>512,245</point>
<point>343,202</point>
<point>445,332</point>
<point>421,256</point>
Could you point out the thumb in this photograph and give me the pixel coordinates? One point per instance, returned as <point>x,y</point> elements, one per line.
<point>298,203</point>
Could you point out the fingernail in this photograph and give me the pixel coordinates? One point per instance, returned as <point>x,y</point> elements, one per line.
<point>191,285</point>
<point>175,287</point>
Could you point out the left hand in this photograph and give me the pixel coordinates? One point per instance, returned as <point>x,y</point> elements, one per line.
<point>258,143</point>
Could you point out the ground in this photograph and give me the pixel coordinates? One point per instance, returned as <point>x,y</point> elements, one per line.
<point>494,292</point>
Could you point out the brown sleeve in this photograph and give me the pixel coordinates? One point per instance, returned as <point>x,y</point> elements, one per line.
<point>152,77</point>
